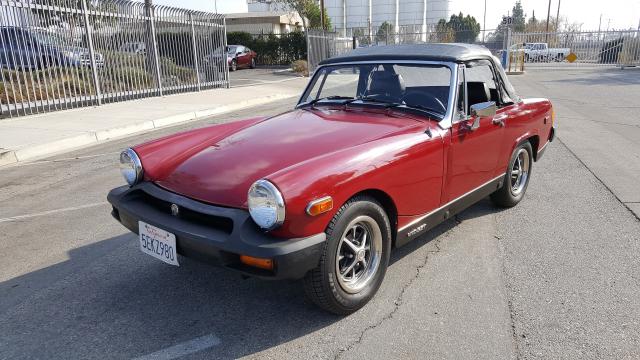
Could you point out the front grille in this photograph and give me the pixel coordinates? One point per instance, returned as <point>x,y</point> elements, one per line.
<point>212,221</point>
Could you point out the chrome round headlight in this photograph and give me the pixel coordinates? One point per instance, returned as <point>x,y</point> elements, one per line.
<point>130,167</point>
<point>266,205</point>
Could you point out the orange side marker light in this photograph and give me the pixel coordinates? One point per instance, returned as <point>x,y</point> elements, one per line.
<point>319,206</point>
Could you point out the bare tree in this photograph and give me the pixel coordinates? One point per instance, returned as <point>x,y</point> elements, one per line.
<point>300,6</point>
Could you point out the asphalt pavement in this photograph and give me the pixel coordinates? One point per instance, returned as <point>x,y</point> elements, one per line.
<point>554,278</point>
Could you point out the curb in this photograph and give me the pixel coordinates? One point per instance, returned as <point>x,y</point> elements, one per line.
<point>8,157</point>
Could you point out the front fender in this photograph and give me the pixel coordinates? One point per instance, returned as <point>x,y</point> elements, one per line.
<point>408,168</point>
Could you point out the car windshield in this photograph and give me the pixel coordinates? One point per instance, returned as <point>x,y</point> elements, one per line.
<point>231,49</point>
<point>402,85</point>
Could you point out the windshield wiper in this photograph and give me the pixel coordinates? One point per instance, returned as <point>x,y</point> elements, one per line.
<point>392,105</point>
<point>330,98</point>
<point>423,108</point>
<point>372,99</point>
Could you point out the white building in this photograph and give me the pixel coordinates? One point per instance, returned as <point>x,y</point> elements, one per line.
<point>268,22</point>
<point>416,15</point>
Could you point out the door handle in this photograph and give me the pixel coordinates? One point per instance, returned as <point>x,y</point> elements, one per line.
<point>499,120</point>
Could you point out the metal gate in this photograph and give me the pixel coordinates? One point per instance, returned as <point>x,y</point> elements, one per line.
<point>323,44</point>
<point>62,54</point>
<point>564,50</point>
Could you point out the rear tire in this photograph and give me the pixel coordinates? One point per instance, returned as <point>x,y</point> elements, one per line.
<point>354,260</point>
<point>517,177</point>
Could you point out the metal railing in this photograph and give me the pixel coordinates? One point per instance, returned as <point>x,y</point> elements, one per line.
<point>322,44</point>
<point>62,54</point>
<point>577,49</point>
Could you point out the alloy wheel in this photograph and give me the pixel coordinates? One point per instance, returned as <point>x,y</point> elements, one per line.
<point>520,172</point>
<point>359,253</point>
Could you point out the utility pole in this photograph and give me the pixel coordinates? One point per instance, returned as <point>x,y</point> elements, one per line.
<point>322,14</point>
<point>599,26</point>
<point>558,18</point>
<point>215,6</point>
<point>396,28</point>
<point>546,35</point>
<point>484,22</point>
<point>344,18</point>
<point>370,23</point>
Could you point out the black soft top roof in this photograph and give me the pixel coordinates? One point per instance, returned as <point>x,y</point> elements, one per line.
<point>427,52</point>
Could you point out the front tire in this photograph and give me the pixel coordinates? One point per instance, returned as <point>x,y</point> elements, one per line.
<point>517,177</point>
<point>354,260</point>
<point>253,63</point>
<point>234,65</point>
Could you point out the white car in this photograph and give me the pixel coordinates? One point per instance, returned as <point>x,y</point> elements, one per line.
<point>538,52</point>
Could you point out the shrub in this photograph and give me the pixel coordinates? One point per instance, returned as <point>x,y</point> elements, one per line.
<point>272,49</point>
<point>300,67</point>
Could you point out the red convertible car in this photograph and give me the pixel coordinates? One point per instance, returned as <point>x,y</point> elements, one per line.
<point>384,144</point>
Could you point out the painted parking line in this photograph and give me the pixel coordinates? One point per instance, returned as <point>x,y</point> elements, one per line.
<point>49,212</point>
<point>182,349</point>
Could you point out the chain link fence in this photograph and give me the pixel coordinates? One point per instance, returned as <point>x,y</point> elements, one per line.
<point>62,54</point>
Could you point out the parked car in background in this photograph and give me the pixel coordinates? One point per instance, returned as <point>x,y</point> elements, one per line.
<point>33,48</point>
<point>135,47</point>
<point>385,143</point>
<point>239,56</point>
<point>540,52</point>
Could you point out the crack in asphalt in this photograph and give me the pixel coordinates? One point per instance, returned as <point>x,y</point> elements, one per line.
<point>508,293</point>
<point>398,301</point>
<point>599,179</point>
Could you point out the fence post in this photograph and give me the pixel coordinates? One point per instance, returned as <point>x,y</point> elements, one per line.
<point>153,61</point>
<point>94,68</point>
<point>306,34</point>
<point>195,51</point>
<point>224,51</point>
<point>355,42</point>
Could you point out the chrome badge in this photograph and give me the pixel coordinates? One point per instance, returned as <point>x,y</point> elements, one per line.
<point>175,210</point>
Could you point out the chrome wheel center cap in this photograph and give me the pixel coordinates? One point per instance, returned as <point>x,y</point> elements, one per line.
<point>360,255</point>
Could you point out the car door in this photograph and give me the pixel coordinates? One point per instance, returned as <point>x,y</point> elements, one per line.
<point>473,152</point>
<point>14,49</point>
<point>243,58</point>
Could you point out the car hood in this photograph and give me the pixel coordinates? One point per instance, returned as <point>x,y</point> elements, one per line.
<point>222,171</point>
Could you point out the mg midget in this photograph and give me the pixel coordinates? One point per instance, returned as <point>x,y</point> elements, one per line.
<point>384,144</point>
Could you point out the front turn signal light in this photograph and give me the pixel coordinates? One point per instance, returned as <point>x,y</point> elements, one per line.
<point>261,263</point>
<point>317,207</point>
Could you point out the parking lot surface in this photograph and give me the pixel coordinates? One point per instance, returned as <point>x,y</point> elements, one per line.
<point>554,278</point>
<point>260,75</point>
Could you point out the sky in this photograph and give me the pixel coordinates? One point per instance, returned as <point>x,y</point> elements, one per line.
<point>616,14</point>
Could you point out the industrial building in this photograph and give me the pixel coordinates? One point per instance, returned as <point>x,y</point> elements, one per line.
<point>415,15</point>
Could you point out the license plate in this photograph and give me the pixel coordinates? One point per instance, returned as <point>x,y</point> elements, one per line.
<point>158,243</point>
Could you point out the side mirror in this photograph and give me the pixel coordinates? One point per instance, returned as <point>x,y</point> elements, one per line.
<point>484,109</point>
<point>478,111</point>
<point>239,53</point>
